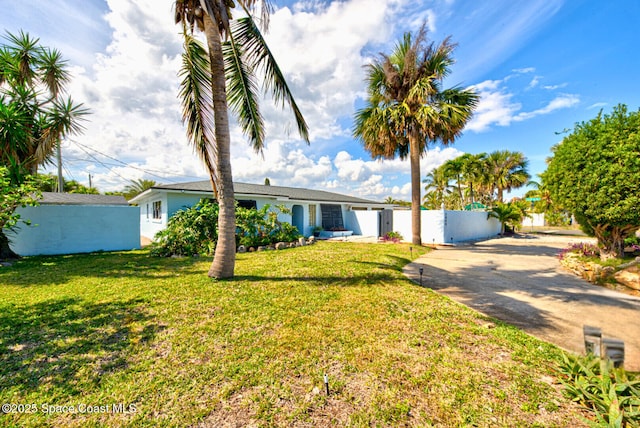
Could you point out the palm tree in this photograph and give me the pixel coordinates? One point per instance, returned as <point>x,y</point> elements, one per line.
<point>437,187</point>
<point>407,108</point>
<point>507,171</point>
<point>510,214</point>
<point>472,174</point>
<point>135,187</point>
<point>454,169</point>
<point>35,115</point>
<point>224,72</point>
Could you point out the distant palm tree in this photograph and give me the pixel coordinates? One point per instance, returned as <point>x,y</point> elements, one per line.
<point>226,72</point>
<point>472,174</point>
<point>437,187</point>
<point>454,169</point>
<point>506,171</point>
<point>135,187</point>
<point>510,214</point>
<point>407,108</point>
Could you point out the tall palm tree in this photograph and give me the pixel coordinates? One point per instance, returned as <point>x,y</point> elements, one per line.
<point>407,108</point>
<point>437,187</point>
<point>225,71</point>
<point>35,114</point>
<point>454,168</point>
<point>472,174</point>
<point>507,171</point>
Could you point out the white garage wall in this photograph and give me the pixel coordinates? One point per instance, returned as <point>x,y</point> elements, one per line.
<point>68,229</point>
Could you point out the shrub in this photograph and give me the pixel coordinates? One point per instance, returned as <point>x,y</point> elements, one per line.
<point>392,237</point>
<point>610,393</point>
<point>194,230</point>
<point>584,249</point>
<point>262,227</point>
<point>189,232</point>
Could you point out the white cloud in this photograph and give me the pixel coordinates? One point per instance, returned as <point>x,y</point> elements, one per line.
<point>597,105</point>
<point>498,108</point>
<point>554,87</point>
<point>495,107</point>
<point>524,70</point>
<point>563,101</point>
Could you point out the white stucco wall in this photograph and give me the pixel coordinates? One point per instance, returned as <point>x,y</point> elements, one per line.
<point>363,223</point>
<point>534,220</point>
<point>441,227</point>
<point>68,229</point>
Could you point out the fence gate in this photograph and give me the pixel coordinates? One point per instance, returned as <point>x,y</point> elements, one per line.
<point>386,222</point>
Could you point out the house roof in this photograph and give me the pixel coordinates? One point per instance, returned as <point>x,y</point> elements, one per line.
<point>245,189</point>
<point>80,199</point>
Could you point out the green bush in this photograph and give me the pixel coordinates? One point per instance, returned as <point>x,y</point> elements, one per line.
<point>189,232</point>
<point>610,393</point>
<point>261,227</point>
<point>194,230</point>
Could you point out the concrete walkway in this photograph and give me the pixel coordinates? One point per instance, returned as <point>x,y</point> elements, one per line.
<point>520,281</point>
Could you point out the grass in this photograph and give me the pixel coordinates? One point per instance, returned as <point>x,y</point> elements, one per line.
<point>126,329</point>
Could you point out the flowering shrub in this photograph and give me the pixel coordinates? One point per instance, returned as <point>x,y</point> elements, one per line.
<point>582,248</point>
<point>392,237</point>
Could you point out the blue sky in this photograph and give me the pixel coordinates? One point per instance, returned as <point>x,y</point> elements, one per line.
<point>540,66</point>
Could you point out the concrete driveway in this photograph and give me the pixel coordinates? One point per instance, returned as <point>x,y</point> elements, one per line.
<point>520,281</point>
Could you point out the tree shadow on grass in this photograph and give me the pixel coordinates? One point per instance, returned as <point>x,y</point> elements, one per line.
<point>68,344</point>
<point>52,270</point>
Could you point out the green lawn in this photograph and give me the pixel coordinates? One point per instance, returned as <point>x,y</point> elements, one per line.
<point>127,329</point>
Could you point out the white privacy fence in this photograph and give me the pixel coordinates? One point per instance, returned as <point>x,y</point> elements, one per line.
<point>438,226</point>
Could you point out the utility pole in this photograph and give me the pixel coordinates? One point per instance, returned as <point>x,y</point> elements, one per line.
<point>60,179</point>
<point>89,181</point>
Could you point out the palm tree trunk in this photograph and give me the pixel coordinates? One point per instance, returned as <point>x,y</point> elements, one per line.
<point>224,258</point>
<point>414,160</point>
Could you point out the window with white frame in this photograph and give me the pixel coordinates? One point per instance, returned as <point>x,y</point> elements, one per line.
<point>157,210</point>
<point>312,215</point>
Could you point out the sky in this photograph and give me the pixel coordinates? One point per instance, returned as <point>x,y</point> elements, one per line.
<point>540,67</point>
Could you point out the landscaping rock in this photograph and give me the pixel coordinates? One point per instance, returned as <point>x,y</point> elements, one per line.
<point>251,249</point>
<point>311,240</point>
<point>261,248</point>
<point>629,277</point>
<point>280,246</point>
<point>302,242</point>
<point>242,249</point>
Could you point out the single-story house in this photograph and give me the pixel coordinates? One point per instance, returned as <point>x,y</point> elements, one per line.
<point>66,223</point>
<point>309,208</point>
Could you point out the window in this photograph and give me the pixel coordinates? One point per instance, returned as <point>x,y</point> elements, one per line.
<point>312,215</point>
<point>248,204</point>
<point>331,217</point>
<point>147,211</point>
<point>157,210</point>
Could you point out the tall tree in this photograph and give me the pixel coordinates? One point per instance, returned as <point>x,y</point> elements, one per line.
<point>473,173</point>
<point>454,169</point>
<point>35,114</point>
<point>407,108</point>
<point>225,71</point>
<point>594,173</point>
<point>437,187</point>
<point>506,171</point>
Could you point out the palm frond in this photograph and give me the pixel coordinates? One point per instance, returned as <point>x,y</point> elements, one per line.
<point>24,49</point>
<point>197,104</point>
<point>53,71</point>
<point>257,54</point>
<point>242,93</point>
